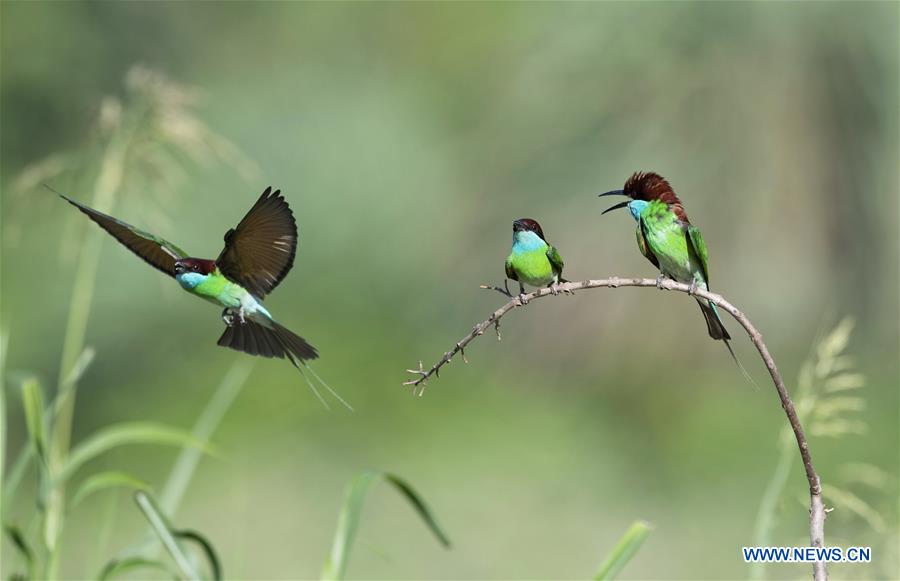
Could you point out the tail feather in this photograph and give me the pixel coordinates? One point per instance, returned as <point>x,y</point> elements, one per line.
<point>718,332</point>
<point>273,340</point>
<point>255,338</point>
<point>714,325</point>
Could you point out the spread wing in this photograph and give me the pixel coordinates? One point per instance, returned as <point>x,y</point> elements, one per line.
<point>260,251</point>
<point>644,247</point>
<point>556,261</point>
<point>698,247</point>
<point>157,252</point>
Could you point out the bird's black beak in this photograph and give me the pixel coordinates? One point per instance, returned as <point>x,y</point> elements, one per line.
<point>617,206</point>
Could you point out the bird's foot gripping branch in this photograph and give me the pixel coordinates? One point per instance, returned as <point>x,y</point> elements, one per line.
<point>816,505</point>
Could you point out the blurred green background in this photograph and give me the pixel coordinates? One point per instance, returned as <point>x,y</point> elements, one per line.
<point>407,137</point>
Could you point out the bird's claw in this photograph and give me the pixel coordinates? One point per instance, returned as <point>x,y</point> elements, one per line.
<point>554,289</point>
<point>693,288</point>
<point>228,317</point>
<point>523,299</point>
<point>659,281</point>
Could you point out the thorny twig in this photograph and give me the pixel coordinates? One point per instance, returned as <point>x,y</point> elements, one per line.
<point>817,510</point>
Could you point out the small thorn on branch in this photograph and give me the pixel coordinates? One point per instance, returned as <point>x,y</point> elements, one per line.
<point>503,291</point>
<point>422,379</point>
<point>462,352</point>
<point>818,511</point>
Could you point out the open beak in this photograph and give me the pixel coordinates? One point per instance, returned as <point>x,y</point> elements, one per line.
<point>617,206</point>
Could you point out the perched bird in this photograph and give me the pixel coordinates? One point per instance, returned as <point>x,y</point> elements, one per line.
<point>258,254</point>
<point>533,260</point>
<point>666,238</point>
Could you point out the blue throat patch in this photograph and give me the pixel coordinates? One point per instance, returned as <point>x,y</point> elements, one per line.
<point>527,241</point>
<point>636,207</point>
<point>189,280</point>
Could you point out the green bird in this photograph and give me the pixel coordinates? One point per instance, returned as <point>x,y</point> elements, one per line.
<point>258,254</point>
<point>667,238</point>
<point>533,260</point>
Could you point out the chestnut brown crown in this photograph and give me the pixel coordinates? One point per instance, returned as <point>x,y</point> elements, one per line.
<point>528,225</point>
<point>198,265</point>
<point>650,186</point>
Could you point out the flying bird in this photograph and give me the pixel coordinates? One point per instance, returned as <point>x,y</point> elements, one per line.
<point>667,238</point>
<point>533,260</point>
<point>258,254</point>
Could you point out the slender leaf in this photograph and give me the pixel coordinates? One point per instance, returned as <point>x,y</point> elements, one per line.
<point>104,480</point>
<point>348,521</point>
<point>79,368</point>
<point>14,478</point>
<point>4,343</point>
<point>118,567</point>
<point>33,402</point>
<point>215,566</point>
<point>125,434</point>
<point>163,531</point>
<point>419,505</point>
<point>623,551</point>
<point>203,429</point>
<point>18,540</point>
<point>16,473</point>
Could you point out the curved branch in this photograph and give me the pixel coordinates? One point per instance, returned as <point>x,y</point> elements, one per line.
<point>816,505</point>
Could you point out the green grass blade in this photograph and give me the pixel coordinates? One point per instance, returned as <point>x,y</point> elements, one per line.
<point>4,343</point>
<point>104,480</point>
<point>623,551</point>
<point>418,503</point>
<point>215,566</point>
<point>78,369</point>
<point>118,567</point>
<point>18,541</point>
<point>163,531</point>
<point>33,403</point>
<point>125,434</point>
<point>14,477</point>
<point>203,429</point>
<point>348,521</point>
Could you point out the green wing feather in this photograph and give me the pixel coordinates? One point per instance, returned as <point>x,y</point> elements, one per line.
<point>642,245</point>
<point>696,243</point>
<point>158,253</point>
<point>556,261</point>
<point>510,271</point>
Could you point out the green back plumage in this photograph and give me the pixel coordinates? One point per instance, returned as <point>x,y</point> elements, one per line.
<point>556,261</point>
<point>677,248</point>
<point>671,244</point>
<point>698,247</point>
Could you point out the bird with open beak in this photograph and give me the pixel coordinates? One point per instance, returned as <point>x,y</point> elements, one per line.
<point>667,239</point>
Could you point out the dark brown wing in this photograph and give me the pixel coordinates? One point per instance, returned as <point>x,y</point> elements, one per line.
<point>157,252</point>
<point>259,253</point>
